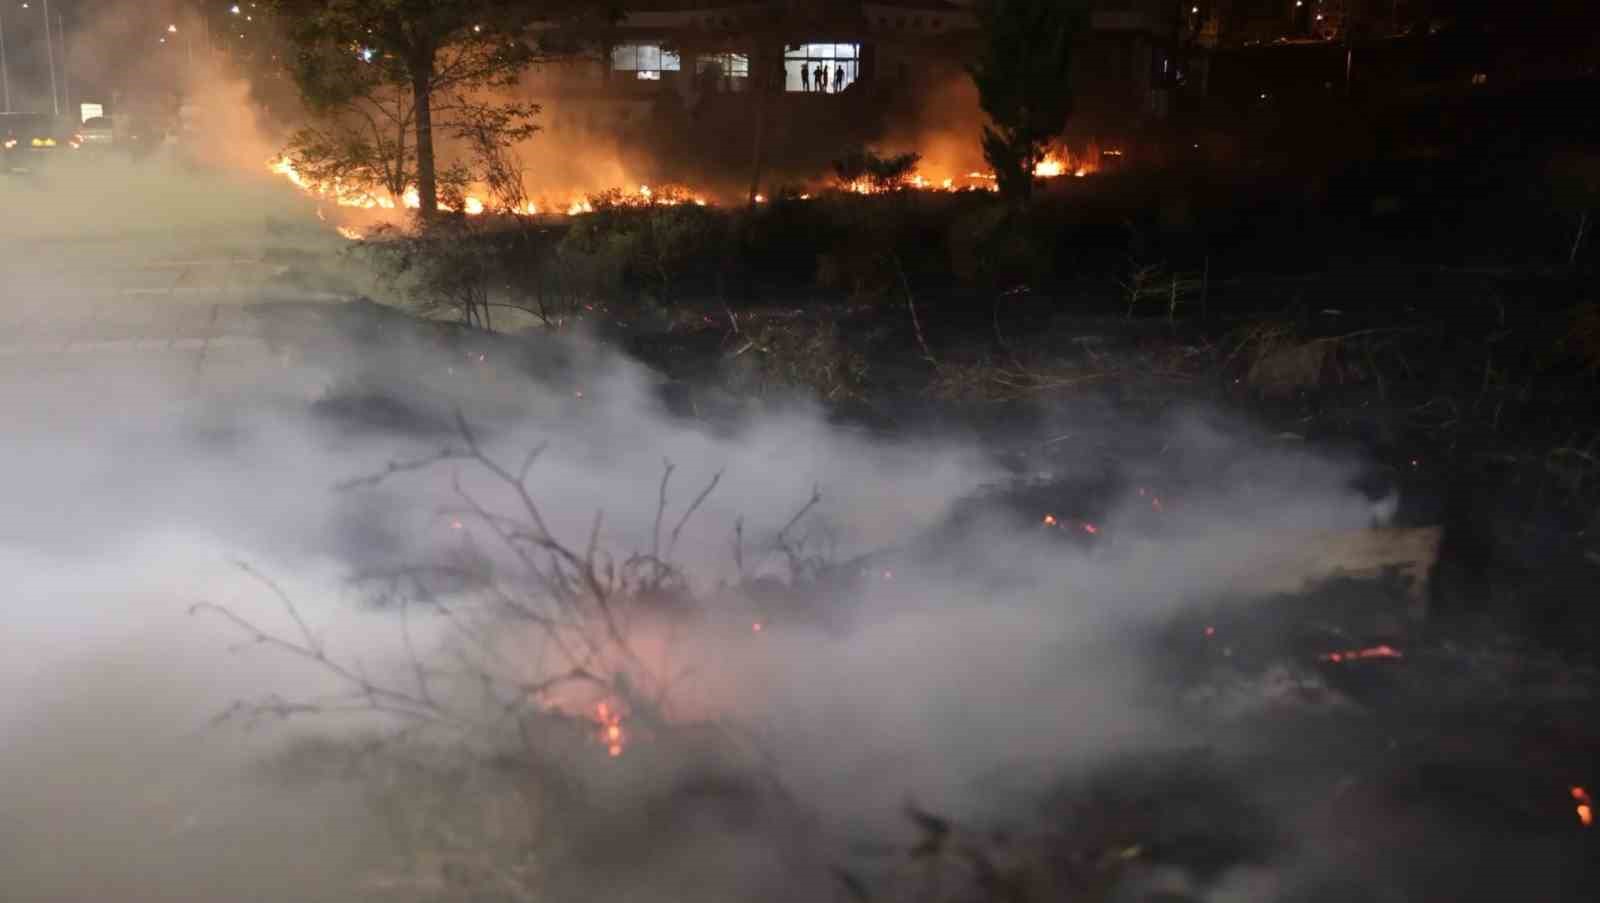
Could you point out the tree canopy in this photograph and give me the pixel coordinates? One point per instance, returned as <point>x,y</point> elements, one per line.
<point>386,69</point>
<point>1023,78</point>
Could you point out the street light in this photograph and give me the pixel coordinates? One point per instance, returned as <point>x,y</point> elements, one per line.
<point>188,42</point>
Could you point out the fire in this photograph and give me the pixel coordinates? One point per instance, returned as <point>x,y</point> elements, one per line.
<point>1585,806</point>
<point>1350,655</point>
<point>1049,167</point>
<point>610,733</point>
<point>334,191</point>
<point>470,205</point>
<point>1052,165</point>
<point>350,232</point>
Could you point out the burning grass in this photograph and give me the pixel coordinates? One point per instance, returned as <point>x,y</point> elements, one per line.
<point>861,172</point>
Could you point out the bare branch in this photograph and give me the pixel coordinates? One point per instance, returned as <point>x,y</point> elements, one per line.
<point>699,500</point>
<point>311,641</point>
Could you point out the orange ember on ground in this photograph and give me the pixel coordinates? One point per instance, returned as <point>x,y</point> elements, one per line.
<point>611,733</point>
<point>1585,807</point>
<point>1349,655</point>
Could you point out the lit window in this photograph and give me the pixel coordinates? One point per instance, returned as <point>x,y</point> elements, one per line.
<point>821,68</point>
<point>646,61</point>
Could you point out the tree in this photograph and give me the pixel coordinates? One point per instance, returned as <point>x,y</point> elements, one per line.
<point>1022,76</point>
<point>378,71</point>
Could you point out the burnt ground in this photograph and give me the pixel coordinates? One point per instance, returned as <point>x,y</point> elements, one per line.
<point>1444,771</point>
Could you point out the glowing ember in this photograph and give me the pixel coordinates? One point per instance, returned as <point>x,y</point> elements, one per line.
<point>610,734</point>
<point>1350,655</point>
<point>1050,520</point>
<point>1585,807</point>
<point>350,232</point>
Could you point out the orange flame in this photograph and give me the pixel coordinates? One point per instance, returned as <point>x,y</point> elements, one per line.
<point>1049,167</point>
<point>611,734</point>
<point>1585,807</point>
<point>471,205</point>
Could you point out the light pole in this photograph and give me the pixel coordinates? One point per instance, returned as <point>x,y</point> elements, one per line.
<point>66,74</point>
<point>5,74</point>
<point>50,56</point>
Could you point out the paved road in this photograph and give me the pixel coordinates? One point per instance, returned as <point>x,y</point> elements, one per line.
<point>91,329</point>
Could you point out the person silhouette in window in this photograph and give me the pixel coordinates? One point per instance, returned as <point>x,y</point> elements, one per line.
<point>805,77</point>
<point>838,78</point>
<point>822,76</point>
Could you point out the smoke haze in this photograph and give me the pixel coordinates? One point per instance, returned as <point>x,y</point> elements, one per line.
<point>154,441</point>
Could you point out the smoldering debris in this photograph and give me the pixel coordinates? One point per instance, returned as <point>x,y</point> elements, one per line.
<point>703,733</point>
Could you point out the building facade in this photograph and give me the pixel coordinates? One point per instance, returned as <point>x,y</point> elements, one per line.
<point>795,82</point>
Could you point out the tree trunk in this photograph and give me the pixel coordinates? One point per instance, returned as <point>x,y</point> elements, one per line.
<point>762,65</point>
<point>427,183</point>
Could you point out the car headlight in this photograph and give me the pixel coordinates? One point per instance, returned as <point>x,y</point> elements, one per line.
<point>10,143</point>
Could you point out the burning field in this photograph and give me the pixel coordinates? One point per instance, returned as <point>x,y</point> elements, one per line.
<point>366,206</point>
<point>345,603</point>
<point>323,601</point>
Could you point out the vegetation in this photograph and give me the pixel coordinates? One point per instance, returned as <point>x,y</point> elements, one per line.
<point>387,77</point>
<point>864,169</point>
<point>1022,74</point>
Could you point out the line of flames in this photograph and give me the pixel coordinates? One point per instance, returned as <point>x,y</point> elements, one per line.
<point>1051,166</point>
<point>471,205</point>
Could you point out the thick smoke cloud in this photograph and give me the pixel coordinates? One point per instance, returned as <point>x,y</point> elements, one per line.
<point>141,468</point>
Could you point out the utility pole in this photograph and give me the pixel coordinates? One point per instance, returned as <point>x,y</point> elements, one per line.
<point>50,56</point>
<point>66,73</point>
<point>5,73</point>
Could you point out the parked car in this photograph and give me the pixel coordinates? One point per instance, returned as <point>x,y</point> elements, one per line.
<point>27,138</point>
